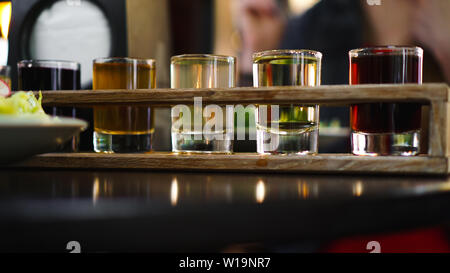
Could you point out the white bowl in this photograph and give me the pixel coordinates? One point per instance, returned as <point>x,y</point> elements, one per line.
<point>23,137</point>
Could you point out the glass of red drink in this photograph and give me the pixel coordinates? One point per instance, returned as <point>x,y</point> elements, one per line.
<point>386,128</point>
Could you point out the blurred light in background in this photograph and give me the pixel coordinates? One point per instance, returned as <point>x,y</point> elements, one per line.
<point>297,7</point>
<point>73,31</point>
<point>5,19</point>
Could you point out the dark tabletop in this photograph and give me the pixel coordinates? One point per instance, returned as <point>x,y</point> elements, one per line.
<point>160,211</point>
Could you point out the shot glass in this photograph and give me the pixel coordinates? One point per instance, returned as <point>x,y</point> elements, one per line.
<point>190,132</point>
<point>123,129</point>
<point>386,128</point>
<point>288,128</point>
<point>52,75</point>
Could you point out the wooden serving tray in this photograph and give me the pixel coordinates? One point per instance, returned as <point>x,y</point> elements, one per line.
<point>436,137</point>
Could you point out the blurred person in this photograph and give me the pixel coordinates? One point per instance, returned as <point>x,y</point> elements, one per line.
<point>262,24</point>
<point>334,27</point>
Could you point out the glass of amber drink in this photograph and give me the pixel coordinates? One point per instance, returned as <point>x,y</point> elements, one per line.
<point>123,129</point>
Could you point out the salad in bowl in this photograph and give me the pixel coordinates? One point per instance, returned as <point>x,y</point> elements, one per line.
<point>26,130</point>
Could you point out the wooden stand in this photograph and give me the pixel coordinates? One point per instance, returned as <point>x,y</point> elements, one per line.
<point>435,162</point>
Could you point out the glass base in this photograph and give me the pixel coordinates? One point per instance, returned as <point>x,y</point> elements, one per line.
<point>300,143</point>
<point>185,143</point>
<point>108,143</point>
<point>399,144</point>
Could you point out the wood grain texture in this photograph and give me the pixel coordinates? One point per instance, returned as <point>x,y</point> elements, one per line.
<point>324,163</point>
<point>438,144</point>
<point>330,95</point>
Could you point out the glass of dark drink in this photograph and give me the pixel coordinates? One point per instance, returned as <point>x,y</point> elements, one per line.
<point>46,75</point>
<point>386,128</point>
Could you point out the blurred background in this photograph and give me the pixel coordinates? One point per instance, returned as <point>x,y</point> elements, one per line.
<point>82,30</point>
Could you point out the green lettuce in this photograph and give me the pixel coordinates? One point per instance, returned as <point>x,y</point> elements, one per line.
<point>23,104</point>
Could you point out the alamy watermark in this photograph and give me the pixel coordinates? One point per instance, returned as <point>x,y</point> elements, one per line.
<point>74,247</point>
<point>374,247</point>
<point>216,122</point>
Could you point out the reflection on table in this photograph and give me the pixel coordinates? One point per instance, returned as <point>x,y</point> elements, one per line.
<point>179,188</point>
<point>160,211</point>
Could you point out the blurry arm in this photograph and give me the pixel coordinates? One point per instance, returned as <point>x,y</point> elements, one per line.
<point>261,25</point>
<point>431,27</point>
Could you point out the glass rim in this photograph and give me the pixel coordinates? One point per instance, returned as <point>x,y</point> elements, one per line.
<point>288,52</point>
<point>386,50</point>
<point>126,60</point>
<point>60,64</point>
<point>225,58</point>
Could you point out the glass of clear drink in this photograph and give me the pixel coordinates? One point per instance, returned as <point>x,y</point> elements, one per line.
<point>288,128</point>
<point>188,127</point>
<point>123,129</point>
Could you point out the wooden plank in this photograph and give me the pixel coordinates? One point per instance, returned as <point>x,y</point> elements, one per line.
<point>331,95</point>
<point>323,163</point>
<point>438,144</point>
